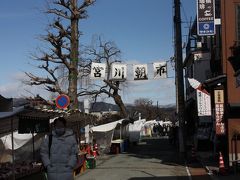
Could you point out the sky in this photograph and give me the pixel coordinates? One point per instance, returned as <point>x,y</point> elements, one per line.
<point>141,29</point>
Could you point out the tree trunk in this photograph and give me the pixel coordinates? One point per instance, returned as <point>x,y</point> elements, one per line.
<point>119,102</point>
<point>73,71</point>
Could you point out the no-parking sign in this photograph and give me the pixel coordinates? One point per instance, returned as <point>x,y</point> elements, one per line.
<point>62,101</point>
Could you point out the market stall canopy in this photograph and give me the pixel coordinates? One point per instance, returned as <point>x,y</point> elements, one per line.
<point>6,105</point>
<point>150,123</point>
<point>26,111</point>
<point>134,130</point>
<point>106,127</point>
<point>18,139</point>
<point>15,111</point>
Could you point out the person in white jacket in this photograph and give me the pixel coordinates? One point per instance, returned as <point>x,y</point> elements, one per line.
<point>59,152</point>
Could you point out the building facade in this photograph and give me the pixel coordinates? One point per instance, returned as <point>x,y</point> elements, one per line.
<point>215,62</point>
<point>230,17</point>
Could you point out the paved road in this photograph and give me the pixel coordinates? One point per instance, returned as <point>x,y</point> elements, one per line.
<point>151,159</point>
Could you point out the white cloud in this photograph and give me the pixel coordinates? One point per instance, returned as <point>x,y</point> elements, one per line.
<point>16,88</point>
<point>162,90</point>
<point>18,76</point>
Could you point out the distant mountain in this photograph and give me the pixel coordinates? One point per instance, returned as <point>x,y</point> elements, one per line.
<point>20,102</point>
<point>168,106</point>
<point>130,106</point>
<point>100,106</point>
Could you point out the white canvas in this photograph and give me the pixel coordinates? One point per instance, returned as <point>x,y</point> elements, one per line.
<point>140,72</point>
<point>98,71</point>
<point>160,70</point>
<point>119,71</point>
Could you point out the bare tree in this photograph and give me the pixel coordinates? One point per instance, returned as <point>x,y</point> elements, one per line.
<point>145,106</point>
<point>103,52</point>
<point>149,111</point>
<point>63,50</point>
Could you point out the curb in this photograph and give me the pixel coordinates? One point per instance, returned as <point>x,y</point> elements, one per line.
<point>188,171</point>
<point>209,171</point>
<point>206,168</point>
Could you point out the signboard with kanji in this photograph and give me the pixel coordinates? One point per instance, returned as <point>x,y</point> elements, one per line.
<point>119,71</point>
<point>218,96</point>
<point>140,72</point>
<point>206,17</point>
<point>204,103</point>
<point>160,70</point>
<point>28,124</point>
<point>98,71</point>
<point>219,111</point>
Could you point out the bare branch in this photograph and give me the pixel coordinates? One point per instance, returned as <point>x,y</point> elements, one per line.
<point>82,8</point>
<point>64,4</point>
<point>35,80</point>
<point>111,85</point>
<point>58,44</point>
<point>63,32</point>
<point>94,92</point>
<point>58,12</point>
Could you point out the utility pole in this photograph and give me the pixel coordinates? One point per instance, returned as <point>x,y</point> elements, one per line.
<point>179,74</point>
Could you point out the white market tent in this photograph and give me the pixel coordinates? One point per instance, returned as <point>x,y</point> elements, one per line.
<point>150,123</point>
<point>18,140</point>
<point>106,127</point>
<point>135,129</point>
<point>103,134</point>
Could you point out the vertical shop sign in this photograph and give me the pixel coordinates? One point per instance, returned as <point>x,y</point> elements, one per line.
<point>206,17</point>
<point>204,103</point>
<point>219,111</point>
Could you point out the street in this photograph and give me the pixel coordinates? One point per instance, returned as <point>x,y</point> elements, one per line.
<point>150,159</point>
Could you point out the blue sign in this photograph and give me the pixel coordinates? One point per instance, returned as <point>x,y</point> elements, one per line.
<point>62,101</point>
<point>206,28</point>
<point>206,17</point>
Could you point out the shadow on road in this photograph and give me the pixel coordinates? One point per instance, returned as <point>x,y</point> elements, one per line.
<point>159,149</point>
<point>171,178</point>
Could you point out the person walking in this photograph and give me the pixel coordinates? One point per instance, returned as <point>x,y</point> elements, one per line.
<point>59,152</point>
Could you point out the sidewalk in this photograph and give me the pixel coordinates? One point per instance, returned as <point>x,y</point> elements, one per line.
<point>211,166</point>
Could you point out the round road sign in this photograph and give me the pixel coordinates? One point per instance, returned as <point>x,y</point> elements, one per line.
<point>62,101</point>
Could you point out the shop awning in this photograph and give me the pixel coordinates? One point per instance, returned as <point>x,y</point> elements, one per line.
<point>6,104</point>
<point>215,80</point>
<point>106,127</point>
<point>18,139</point>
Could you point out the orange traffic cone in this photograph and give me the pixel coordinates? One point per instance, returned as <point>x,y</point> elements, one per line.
<point>222,169</point>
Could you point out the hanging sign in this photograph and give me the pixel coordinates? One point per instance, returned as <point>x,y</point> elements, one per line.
<point>28,124</point>
<point>98,70</point>
<point>219,111</point>
<point>119,71</point>
<point>160,70</point>
<point>206,17</point>
<point>140,72</point>
<point>204,103</point>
